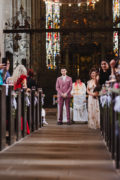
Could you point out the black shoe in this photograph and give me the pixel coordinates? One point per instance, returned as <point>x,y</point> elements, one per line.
<point>68,123</point>
<point>59,123</point>
<point>72,122</point>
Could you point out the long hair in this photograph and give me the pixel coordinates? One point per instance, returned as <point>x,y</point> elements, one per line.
<point>20,70</point>
<point>92,70</point>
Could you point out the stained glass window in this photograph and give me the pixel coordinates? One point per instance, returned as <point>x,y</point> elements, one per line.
<point>116,10</point>
<point>116,15</point>
<point>52,38</point>
<point>115,42</point>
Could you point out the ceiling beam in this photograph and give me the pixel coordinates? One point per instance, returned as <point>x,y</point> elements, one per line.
<point>62,30</point>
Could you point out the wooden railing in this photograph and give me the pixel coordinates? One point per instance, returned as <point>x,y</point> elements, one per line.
<point>16,109</point>
<point>110,128</point>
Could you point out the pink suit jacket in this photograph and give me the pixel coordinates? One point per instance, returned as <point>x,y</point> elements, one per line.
<point>64,86</point>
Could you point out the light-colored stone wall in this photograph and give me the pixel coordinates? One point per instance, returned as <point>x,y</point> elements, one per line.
<point>5,13</point>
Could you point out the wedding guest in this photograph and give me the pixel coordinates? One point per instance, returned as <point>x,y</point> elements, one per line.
<point>64,87</point>
<point>30,79</point>
<point>79,101</point>
<point>1,79</point>
<point>107,71</point>
<point>112,65</point>
<point>44,117</point>
<point>93,102</point>
<point>104,73</point>
<point>112,77</point>
<point>2,67</point>
<point>5,71</point>
<point>19,79</point>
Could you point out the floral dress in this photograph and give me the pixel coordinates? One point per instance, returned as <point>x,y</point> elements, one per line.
<point>93,108</point>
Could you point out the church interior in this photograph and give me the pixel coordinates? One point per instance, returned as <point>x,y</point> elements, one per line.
<point>46,36</point>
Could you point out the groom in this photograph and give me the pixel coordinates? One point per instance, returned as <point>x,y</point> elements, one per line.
<point>64,87</point>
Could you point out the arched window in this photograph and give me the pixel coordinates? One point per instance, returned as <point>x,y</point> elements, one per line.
<point>52,38</point>
<point>116,16</point>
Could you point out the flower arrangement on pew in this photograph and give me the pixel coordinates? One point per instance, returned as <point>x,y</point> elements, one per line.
<point>105,95</point>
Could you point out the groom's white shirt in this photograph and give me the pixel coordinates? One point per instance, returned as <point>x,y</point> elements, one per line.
<point>64,78</point>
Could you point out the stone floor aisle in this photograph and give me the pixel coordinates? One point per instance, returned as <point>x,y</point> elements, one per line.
<point>58,153</point>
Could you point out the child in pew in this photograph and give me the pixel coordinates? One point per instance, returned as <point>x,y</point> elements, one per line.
<point>43,112</point>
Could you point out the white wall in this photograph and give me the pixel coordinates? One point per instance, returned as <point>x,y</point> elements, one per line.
<point>5,13</point>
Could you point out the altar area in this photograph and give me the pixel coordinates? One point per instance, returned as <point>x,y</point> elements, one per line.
<point>78,109</point>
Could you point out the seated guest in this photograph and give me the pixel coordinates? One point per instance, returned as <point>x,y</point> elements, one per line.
<point>79,101</point>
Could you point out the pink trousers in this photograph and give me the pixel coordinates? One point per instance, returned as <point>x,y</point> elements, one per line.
<point>61,101</point>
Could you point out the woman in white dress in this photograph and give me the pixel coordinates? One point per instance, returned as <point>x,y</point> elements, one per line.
<point>79,101</point>
<point>93,102</point>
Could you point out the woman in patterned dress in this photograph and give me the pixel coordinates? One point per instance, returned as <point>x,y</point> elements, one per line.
<point>93,102</point>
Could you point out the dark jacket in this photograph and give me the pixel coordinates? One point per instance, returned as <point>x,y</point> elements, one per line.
<point>31,83</point>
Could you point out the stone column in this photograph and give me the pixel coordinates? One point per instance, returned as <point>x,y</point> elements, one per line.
<point>5,14</point>
<point>38,39</point>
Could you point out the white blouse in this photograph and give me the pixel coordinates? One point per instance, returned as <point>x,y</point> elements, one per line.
<point>78,89</point>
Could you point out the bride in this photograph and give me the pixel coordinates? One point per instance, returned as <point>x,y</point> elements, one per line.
<point>79,101</point>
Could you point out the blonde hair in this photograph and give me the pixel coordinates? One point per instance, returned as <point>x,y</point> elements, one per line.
<point>20,70</point>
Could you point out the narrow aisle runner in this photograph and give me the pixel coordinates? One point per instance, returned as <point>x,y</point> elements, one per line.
<point>58,153</point>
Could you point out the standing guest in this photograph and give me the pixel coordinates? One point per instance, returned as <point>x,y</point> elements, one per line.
<point>30,79</point>
<point>104,72</point>
<point>64,87</point>
<point>19,79</point>
<point>107,71</point>
<point>93,102</point>
<point>5,72</point>
<point>112,77</point>
<point>2,67</point>
<point>112,65</point>
<point>79,101</point>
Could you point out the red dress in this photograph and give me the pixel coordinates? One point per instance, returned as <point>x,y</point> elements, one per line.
<point>19,85</point>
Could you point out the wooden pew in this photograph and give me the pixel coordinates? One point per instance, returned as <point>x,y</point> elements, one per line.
<point>2,117</point>
<point>13,107</point>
